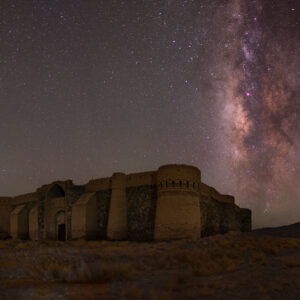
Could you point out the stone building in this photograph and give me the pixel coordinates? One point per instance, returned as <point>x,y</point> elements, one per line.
<point>170,203</point>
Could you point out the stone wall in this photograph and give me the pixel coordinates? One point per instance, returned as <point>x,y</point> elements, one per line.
<point>245,217</point>
<point>4,217</point>
<point>73,193</point>
<point>141,205</point>
<point>219,217</point>
<point>33,223</point>
<point>103,200</point>
<point>41,213</point>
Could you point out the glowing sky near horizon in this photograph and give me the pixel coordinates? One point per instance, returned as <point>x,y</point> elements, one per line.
<point>88,88</point>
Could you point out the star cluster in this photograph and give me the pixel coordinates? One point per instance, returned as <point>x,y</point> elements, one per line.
<point>88,88</point>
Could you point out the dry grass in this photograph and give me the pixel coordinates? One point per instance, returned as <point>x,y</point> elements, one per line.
<point>257,258</point>
<point>27,245</point>
<point>279,285</point>
<point>184,269</point>
<point>160,295</point>
<point>200,262</point>
<point>269,245</point>
<point>131,292</point>
<point>298,283</point>
<point>269,249</point>
<point>9,243</point>
<point>83,272</point>
<point>206,291</point>
<point>10,262</point>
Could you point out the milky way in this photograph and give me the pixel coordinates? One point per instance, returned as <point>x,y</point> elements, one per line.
<point>88,88</point>
<point>259,106</point>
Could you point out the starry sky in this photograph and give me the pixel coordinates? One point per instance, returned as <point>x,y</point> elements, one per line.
<point>88,88</point>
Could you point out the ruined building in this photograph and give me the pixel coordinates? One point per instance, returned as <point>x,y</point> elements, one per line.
<point>169,203</point>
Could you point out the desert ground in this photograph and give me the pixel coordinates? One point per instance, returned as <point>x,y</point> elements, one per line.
<point>230,266</point>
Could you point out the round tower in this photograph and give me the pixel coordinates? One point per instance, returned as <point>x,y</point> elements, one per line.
<point>178,203</point>
<point>117,218</point>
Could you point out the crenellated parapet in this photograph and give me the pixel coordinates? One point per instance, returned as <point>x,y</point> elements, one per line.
<point>179,177</point>
<point>179,185</point>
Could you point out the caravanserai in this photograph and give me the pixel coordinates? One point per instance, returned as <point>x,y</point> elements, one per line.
<point>170,203</point>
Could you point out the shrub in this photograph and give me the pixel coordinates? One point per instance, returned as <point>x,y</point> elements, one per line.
<point>257,257</point>
<point>206,291</point>
<point>293,262</point>
<point>83,272</point>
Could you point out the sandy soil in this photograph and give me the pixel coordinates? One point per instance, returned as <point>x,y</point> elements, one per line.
<point>231,266</point>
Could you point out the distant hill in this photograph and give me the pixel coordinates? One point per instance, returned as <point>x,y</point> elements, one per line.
<point>292,230</point>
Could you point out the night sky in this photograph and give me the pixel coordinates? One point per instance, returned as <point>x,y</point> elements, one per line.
<point>88,88</point>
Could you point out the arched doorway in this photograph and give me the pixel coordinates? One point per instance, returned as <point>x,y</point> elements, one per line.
<point>60,226</point>
<point>55,218</point>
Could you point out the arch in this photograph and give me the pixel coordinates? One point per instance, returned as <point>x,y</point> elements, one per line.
<point>19,228</point>
<point>55,191</point>
<point>55,202</point>
<point>60,225</point>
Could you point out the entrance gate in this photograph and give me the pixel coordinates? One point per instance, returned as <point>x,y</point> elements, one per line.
<point>61,234</point>
<point>60,226</point>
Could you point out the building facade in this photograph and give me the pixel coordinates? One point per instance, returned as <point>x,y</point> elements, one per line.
<point>170,203</point>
